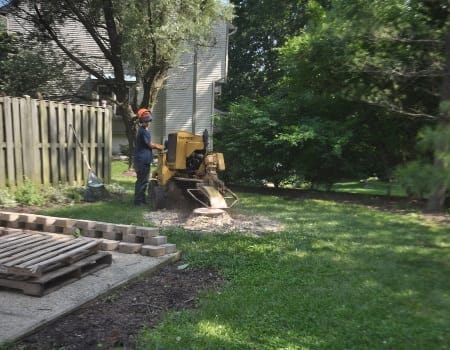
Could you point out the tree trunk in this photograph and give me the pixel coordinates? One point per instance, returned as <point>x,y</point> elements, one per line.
<point>435,203</point>
<point>130,131</point>
<point>437,197</point>
<point>126,113</point>
<point>153,82</point>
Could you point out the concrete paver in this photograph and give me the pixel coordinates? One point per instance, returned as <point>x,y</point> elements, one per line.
<point>21,314</point>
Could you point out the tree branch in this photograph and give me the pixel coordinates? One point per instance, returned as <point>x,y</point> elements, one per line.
<point>91,29</point>
<point>54,36</point>
<point>391,108</point>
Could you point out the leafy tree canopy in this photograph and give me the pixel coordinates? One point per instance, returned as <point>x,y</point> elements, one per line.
<point>355,82</point>
<point>27,68</point>
<point>261,28</point>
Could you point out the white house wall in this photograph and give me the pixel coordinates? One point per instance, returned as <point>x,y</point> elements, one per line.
<point>210,68</point>
<point>179,92</point>
<point>157,128</point>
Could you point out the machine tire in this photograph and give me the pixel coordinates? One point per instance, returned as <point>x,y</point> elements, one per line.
<point>177,196</point>
<point>158,198</point>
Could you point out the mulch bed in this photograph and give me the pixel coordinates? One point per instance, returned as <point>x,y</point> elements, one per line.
<point>116,318</point>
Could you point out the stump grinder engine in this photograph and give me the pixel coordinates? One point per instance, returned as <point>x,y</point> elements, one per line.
<point>186,171</point>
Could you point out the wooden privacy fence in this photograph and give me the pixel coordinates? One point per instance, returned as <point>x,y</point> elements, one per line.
<point>36,142</point>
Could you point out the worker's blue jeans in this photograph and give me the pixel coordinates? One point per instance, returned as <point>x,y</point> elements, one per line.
<point>142,178</point>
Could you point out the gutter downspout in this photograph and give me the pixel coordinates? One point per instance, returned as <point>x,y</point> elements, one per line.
<point>232,30</point>
<point>223,80</point>
<point>194,91</point>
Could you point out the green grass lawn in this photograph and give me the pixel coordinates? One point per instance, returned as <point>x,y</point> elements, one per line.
<point>371,188</point>
<point>338,276</point>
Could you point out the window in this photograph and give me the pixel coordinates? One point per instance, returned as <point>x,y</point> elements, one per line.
<point>104,95</point>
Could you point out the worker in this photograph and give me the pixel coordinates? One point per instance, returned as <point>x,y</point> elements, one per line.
<point>143,155</point>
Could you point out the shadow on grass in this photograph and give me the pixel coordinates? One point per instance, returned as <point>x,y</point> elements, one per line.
<point>118,211</point>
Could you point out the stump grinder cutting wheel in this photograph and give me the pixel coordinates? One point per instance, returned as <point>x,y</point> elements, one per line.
<point>187,172</point>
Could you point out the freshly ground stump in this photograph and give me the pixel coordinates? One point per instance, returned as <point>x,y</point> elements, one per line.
<point>211,212</point>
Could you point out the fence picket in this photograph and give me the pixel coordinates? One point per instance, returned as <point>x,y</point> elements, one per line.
<point>2,147</point>
<point>34,151</point>
<point>17,140</point>
<point>54,155</point>
<point>107,148</point>
<point>26,132</point>
<point>9,143</point>
<point>77,153</point>
<point>61,141</point>
<point>93,124</point>
<point>70,150</point>
<point>100,139</point>
<point>44,138</point>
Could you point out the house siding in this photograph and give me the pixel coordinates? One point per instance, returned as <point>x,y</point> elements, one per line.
<point>193,111</point>
<point>76,38</point>
<point>179,92</point>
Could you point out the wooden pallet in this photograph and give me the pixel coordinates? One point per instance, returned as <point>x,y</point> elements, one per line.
<point>51,281</point>
<point>38,263</point>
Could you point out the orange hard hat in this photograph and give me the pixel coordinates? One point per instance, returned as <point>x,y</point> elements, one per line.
<point>143,112</point>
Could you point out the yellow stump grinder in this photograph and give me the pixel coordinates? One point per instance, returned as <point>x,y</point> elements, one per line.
<point>187,171</point>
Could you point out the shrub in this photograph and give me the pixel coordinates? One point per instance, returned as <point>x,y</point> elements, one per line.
<point>415,178</point>
<point>55,195</point>
<point>294,181</point>
<point>116,189</point>
<point>74,193</point>
<point>63,194</point>
<point>29,194</point>
<point>7,199</point>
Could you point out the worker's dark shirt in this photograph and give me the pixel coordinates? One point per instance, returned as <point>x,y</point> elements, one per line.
<point>142,153</point>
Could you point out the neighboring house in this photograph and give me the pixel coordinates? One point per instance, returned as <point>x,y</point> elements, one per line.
<point>186,101</point>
